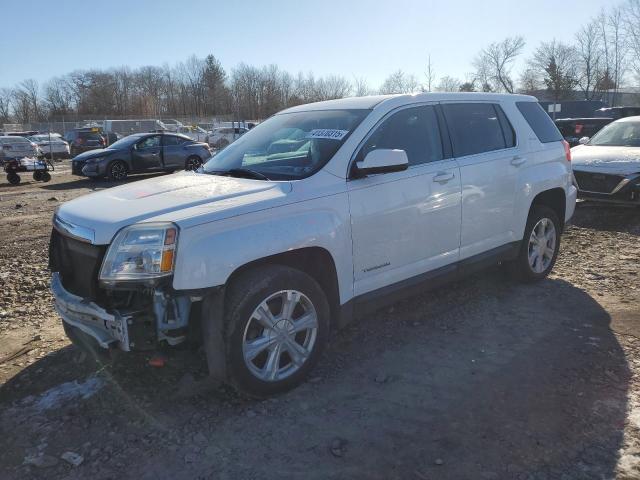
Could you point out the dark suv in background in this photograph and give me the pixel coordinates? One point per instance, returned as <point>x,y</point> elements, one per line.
<point>84,139</point>
<point>573,129</point>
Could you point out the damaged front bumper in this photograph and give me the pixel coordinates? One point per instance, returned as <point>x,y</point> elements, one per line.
<point>164,317</point>
<point>108,329</point>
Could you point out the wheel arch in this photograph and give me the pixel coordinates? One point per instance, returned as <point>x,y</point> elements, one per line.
<point>316,262</point>
<point>555,199</point>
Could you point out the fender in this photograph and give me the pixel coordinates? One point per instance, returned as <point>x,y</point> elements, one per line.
<point>537,179</point>
<point>209,253</point>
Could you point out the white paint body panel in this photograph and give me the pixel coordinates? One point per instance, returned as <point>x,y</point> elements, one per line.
<point>379,230</point>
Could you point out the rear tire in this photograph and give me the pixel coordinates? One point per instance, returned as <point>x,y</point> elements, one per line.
<point>263,360</point>
<point>540,246</point>
<point>117,171</point>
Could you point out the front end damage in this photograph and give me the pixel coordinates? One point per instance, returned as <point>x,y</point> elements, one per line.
<point>126,317</point>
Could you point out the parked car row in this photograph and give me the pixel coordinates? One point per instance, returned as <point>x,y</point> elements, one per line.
<point>141,152</point>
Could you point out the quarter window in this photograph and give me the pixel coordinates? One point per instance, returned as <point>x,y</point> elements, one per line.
<point>539,121</point>
<point>474,128</point>
<point>414,130</point>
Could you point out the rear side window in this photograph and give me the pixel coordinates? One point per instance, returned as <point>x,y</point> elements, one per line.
<point>414,130</point>
<point>539,121</point>
<point>475,128</point>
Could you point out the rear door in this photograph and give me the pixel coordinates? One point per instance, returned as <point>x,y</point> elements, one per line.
<point>484,145</point>
<point>147,154</point>
<point>173,151</point>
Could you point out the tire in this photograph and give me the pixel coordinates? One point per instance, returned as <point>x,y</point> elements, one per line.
<point>193,163</point>
<point>46,176</point>
<point>37,175</point>
<point>273,286</point>
<point>536,260</point>
<point>13,178</point>
<point>117,171</point>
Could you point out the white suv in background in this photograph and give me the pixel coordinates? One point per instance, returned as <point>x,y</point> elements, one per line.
<point>223,136</point>
<point>320,212</point>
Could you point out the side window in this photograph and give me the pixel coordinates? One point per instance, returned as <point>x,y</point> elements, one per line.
<point>171,140</point>
<point>539,121</point>
<point>507,129</point>
<point>414,130</point>
<point>149,142</point>
<point>474,128</point>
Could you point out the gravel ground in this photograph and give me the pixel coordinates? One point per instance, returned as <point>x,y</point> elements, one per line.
<point>481,379</point>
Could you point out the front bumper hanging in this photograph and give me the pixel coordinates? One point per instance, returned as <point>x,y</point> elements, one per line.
<point>108,329</point>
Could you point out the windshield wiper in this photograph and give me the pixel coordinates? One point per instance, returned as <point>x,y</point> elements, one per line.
<point>244,173</point>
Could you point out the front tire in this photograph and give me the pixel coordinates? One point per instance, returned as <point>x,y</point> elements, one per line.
<point>194,162</point>
<point>540,246</point>
<point>117,171</point>
<point>277,325</point>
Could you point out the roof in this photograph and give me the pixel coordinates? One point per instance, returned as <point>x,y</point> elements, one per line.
<point>628,119</point>
<point>370,102</point>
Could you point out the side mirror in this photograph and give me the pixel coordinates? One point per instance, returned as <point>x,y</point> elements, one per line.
<point>383,161</point>
<point>584,140</point>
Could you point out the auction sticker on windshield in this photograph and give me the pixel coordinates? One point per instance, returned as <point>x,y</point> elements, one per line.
<point>329,133</point>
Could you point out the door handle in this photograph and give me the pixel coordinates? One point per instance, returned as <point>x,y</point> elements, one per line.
<point>442,177</point>
<point>517,161</point>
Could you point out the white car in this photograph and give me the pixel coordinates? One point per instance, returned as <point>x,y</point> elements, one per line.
<point>51,147</point>
<point>267,248</point>
<point>223,136</point>
<point>14,148</point>
<point>194,132</point>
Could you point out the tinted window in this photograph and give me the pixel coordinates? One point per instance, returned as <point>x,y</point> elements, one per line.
<point>507,129</point>
<point>414,130</point>
<point>170,140</point>
<point>150,142</point>
<point>539,121</point>
<point>474,128</point>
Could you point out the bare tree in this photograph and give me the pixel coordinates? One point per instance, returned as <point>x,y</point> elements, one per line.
<point>399,82</point>
<point>361,87</point>
<point>448,84</point>
<point>6,95</point>
<point>589,58</point>
<point>494,63</point>
<point>613,27</point>
<point>555,63</point>
<point>430,75</point>
<point>530,81</point>
<point>632,32</point>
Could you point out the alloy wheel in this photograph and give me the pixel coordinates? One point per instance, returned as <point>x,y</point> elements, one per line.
<point>280,335</point>
<point>118,171</point>
<point>542,245</point>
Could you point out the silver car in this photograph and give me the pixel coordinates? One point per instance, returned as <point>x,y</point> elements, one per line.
<point>16,148</point>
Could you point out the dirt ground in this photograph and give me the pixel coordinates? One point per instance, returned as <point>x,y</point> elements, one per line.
<point>482,379</point>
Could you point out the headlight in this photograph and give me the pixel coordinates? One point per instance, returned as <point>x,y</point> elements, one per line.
<point>141,252</point>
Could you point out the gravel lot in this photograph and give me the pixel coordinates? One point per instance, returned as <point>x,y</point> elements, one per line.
<point>482,379</point>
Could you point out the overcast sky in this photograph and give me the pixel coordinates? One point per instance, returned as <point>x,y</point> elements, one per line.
<point>358,38</point>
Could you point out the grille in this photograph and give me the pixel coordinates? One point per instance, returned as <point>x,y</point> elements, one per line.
<point>597,182</point>
<point>78,264</point>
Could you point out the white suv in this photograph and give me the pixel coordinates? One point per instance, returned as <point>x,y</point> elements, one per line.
<point>319,212</point>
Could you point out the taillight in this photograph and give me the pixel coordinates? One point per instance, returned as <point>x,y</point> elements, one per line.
<point>567,150</point>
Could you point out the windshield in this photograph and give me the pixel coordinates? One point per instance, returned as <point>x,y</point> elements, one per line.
<point>618,134</point>
<point>289,146</point>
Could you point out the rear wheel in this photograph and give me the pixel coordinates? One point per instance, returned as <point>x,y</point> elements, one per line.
<point>540,245</point>
<point>193,163</point>
<point>277,323</point>
<point>117,171</point>
<point>13,178</point>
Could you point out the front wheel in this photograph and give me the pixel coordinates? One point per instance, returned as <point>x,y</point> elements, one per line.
<point>540,246</point>
<point>117,171</point>
<point>13,178</point>
<point>277,323</point>
<point>193,163</point>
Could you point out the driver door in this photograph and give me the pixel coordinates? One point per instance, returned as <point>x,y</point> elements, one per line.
<point>406,223</point>
<point>147,154</point>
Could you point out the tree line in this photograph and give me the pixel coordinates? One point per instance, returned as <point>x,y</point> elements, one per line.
<point>603,56</point>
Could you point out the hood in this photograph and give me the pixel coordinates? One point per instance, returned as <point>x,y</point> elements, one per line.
<point>99,152</point>
<point>614,160</point>
<point>172,197</point>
